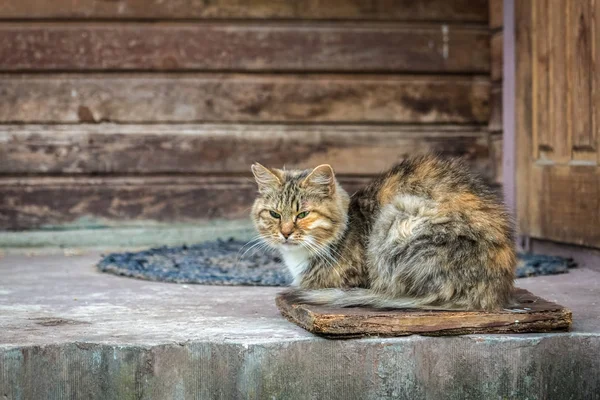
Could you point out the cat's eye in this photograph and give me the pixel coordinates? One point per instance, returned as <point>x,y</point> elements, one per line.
<point>274,214</point>
<point>302,214</point>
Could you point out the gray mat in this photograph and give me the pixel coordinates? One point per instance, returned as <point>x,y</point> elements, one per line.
<point>221,263</point>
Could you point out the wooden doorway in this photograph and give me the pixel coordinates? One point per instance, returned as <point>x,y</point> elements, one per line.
<point>558,120</point>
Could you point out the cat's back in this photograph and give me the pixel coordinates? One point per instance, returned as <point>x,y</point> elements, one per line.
<point>448,185</point>
<point>430,177</point>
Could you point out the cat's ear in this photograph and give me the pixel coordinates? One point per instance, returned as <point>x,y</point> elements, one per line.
<point>321,178</point>
<point>265,178</point>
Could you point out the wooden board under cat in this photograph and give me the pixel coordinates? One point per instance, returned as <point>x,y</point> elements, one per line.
<point>539,316</point>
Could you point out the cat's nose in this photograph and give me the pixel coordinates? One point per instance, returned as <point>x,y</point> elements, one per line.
<point>287,229</point>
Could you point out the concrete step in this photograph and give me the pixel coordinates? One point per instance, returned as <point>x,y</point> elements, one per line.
<point>67,331</point>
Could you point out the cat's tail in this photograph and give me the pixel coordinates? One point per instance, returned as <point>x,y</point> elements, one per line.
<point>357,297</point>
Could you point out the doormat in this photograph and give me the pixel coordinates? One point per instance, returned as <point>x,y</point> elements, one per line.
<point>235,262</point>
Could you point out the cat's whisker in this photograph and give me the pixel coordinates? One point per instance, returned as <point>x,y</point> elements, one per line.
<point>328,249</point>
<point>250,242</point>
<point>324,257</point>
<point>257,242</point>
<point>317,253</point>
<point>329,262</point>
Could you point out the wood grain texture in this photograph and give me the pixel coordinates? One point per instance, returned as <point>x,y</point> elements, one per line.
<point>29,203</point>
<point>565,204</point>
<point>183,149</point>
<point>579,79</point>
<point>497,57</point>
<point>496,152</point>
<point>595,75</point>
<point>496,9</point>
<point>524,124</point>
<point>542,144</point>
<point>408,10</point>
<point>243,47</point>
<point>152,98</point>
<point>495,123</point>
<point>542,316</point>
<point>558,113</point>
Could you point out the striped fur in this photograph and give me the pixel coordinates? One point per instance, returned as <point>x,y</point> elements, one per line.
<point>426,234</point>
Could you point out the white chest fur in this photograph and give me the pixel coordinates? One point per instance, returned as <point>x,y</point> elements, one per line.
<point>296,260</point>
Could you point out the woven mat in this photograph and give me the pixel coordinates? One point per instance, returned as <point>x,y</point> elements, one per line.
<point>228,263</point>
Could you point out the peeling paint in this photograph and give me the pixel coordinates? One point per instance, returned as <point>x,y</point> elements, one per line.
<point>445,41</point>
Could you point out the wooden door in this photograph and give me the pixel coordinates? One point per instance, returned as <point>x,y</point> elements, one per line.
<point>558,120</point>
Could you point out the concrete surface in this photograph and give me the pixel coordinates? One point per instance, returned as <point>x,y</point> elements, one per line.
<point>67,331</point>
<point>97,234</point>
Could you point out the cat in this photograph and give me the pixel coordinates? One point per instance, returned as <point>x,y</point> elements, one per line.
<point>427,234</point>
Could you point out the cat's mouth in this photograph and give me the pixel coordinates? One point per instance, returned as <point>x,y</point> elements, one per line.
<point>289,244</point>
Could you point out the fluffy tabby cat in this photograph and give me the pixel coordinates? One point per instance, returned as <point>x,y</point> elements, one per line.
<point>427,234</point>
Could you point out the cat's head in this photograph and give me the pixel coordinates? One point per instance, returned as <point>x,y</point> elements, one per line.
<point>299,209</point>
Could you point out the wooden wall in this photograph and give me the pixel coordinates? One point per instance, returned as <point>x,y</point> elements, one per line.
<point>136,110</point>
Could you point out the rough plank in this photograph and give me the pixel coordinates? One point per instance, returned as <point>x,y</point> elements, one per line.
<point>542,143</point>
<point>146,98</point>
<point>495,123</point>
<point>558,114</point>
<point>524,125</point>
<point>595,73</point>
<point>155,149</point>
<point>407,10</point>
<point>497,57</point>
<point>496,8</point>
<point>579,76</point>
<point>243,47</point>
<point>496,157</point>
<point>543,316</point>
<point>29,203</point>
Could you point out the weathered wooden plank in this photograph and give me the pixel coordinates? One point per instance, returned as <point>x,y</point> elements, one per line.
<point>155,149</point>
<point>558,113</point>
<point>496,157</point>
<point>541,316</point>
<point>579,76</point>
<point>496,9</point>
<point>566,204</point>
<point>495,122</point>
<point>27,203</point>
<point>525,56</point>
<point>245,46</point>
<point>540,63</point>
<point>595,75</point>
<point>253,98</point>
<point>409,10</point>
<point>497,57</point>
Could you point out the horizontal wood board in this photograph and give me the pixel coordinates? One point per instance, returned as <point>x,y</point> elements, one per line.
<point>542,316</point>
<point>244,47</point>
<point>42,202</point>
<point>229,148</point>
<point>153,98</point>
<point>407,10</point>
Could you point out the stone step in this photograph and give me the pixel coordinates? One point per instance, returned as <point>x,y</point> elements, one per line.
<point>67,331</point>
